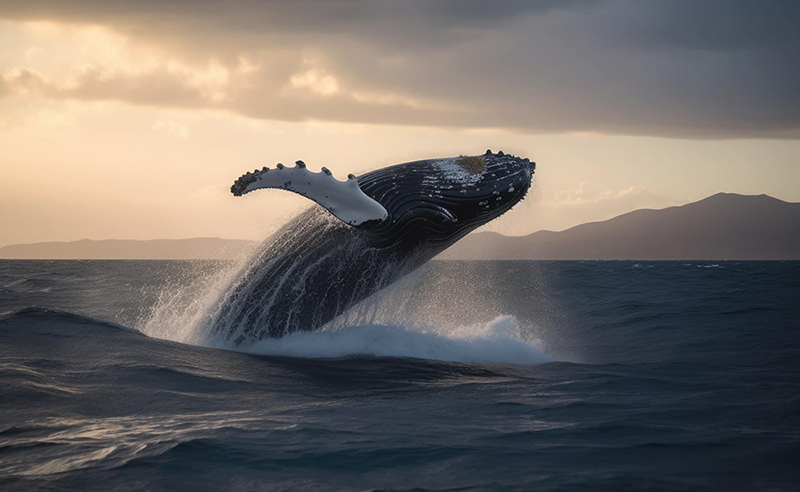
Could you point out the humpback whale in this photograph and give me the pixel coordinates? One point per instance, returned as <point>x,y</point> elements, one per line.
<point>368,232</point>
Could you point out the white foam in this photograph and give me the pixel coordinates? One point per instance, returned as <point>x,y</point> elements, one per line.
<point>399,321</point>
<point>185,304</point>
<point>496,342</point>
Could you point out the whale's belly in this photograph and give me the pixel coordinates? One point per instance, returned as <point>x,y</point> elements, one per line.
<point>305,275</point>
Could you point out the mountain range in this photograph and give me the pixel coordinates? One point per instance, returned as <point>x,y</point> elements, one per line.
<point>724,226</point>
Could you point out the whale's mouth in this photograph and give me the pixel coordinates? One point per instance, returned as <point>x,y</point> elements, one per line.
<point>476,184</point>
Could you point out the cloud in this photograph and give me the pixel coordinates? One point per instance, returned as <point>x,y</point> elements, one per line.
<point>588,203</point>
<point>317,81</point>
<point>32,52</point>
<point>93,83</point>
<point>171,128</point>
<point>675,68</point>
<point>584,195</point>
<point>609,202</point>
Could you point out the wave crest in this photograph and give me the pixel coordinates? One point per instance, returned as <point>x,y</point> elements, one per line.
<point>499,341</point>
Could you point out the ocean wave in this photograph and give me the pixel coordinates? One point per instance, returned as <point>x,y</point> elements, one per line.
<point>55,315</point>
<point>496,342</point>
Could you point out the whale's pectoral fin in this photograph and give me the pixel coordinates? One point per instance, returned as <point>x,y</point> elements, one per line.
<point>343,199</point>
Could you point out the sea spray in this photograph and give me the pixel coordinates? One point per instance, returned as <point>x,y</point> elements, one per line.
<point>187,302</point>
<point>408,319</point>
<point>205,307</point>
<point>497,342</point>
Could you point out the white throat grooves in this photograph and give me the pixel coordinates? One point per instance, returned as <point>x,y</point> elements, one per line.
<point>343,199</point>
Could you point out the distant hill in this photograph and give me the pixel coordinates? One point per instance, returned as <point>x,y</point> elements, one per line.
<point>117,249</point>
<point>724,226</point>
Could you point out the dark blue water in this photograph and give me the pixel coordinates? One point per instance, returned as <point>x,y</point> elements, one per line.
<point>663,376</point>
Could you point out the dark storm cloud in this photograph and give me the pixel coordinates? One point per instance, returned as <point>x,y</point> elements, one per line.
<point>698,69</point>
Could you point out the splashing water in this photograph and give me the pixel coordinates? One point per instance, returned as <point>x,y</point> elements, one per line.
<point>496,342</point>
<point>186,303</point>
<point>390,323</point>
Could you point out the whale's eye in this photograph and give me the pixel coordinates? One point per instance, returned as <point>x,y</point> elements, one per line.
<point>472,163</point>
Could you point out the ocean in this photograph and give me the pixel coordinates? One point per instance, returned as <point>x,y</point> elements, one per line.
<point>517,375</point>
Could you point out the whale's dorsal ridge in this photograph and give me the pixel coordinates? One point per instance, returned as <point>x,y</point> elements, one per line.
<point>343,199</point>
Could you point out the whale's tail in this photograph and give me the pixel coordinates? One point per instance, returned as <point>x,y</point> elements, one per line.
<point>343,199</point>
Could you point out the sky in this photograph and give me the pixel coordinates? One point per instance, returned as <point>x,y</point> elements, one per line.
<point>130,120</point>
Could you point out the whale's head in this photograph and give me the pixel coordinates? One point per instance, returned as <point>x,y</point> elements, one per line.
<point>425,205</point>
<point>435,202</point>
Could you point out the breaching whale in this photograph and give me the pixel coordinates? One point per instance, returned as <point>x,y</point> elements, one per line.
<point>370,231</point>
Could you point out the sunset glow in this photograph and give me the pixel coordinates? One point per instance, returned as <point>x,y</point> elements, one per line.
<point>111,127</point>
